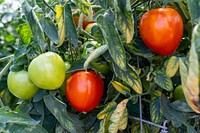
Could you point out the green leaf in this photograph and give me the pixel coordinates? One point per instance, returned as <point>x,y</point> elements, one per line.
<point>130,77</point>
<point>194,9</point>
<point>16,128</point>
<point>177,118</point>
<point>25,33</point>
<point>163,81</point>
<point>50,29</point>
<point>61,26</point>
<point>125,18</point>
<point>155,111</point>
<point>58,109</point>
<point>9,116</point>
<point>95,54</point>
<point>24,108</point>
<point>191,86</point>
<point>172,66</point>
<point>112,39</point>
<point>33,21</point>
<point>120,87</point>
<point>70,29</point>
<point>104,124</point>
<point>181,105</point>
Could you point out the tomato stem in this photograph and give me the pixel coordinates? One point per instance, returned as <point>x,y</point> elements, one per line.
<point>49,6</point>
<point>89,35</point>
<point>6,58</point>
<point>4,70</point>
<point>1,103</point>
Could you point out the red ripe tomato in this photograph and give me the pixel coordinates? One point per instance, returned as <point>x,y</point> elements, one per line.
<point>161,30</point>
<point>84,90</point>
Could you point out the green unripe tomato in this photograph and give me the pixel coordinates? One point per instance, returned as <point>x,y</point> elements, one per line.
<point>178,93</point>
<point>20,85</point>
<point>47,71</point>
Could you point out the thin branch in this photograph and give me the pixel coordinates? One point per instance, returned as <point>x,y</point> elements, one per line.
<point>4,70</point>
<point>6,58</point>
<point>49,6</point>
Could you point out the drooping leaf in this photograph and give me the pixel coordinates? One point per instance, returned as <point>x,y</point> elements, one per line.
<point>61,25</point>
<point>106,110</point>
<point>181,105</point>
<point>25,33</point>
<point>130,77</point>
<point>191,86</point>
<point>172,66</point>
<point>8,116</point>
<point>58,109</point>
<point>95,54</point>
<point>177,118</point>
<point>163,80</point>
<point>70,29</point>
<point>104,124</point>
<point>155,111</point>
<point>119,117</point>
<point>120,87</point>
<point>194,9</point>
<point>50,29</point>
<point>112,39</point>
<point>34,23</point>
<point>125,18</point>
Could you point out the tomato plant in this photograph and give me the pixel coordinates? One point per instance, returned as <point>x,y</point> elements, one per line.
<point>84,90</point>
<point>47,71</point>
<point>20,85</point>
<point>161,30</point>
<point>110,74</point>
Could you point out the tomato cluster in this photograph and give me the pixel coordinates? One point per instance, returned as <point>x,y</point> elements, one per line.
<point>84,89</point>
<point>47,71</point>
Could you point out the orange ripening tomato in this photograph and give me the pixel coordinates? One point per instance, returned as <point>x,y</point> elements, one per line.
<point>84,90</point>
<point>85,22</point>
<point>161,30</point>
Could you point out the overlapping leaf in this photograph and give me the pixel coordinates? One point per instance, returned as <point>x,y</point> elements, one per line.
<point>172,66</point>
<point>120,87</point>
<point>125,18</point>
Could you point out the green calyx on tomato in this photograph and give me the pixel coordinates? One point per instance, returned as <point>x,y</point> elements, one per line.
<point>84,90</point>
<point>47,71</point>
<point>20,85</point>
<point>162,30</point>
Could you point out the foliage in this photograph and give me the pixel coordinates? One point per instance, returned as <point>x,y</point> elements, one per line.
<point>138,82</point>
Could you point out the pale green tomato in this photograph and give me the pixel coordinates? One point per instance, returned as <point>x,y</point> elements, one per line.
<point>47,71</point>
<point>20,85</point>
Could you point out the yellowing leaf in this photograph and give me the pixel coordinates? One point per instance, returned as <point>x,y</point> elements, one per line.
<point>125,18</point>
<point>120,87</point>
<point>124,120</point>
<point>85,8</point>
<point>172,66</point>
<point>119,118</point>
<point>191,87</point>
<point>60,20</point>
<point>106,110</point>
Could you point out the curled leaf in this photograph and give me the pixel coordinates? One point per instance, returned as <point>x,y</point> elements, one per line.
<point>106,110</point>
<point>120,87</point>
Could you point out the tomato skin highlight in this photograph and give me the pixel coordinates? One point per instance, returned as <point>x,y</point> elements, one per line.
<point>20,85</point>
<point>47,71</point>
<point>162,30</point>
<point>84,90</point>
